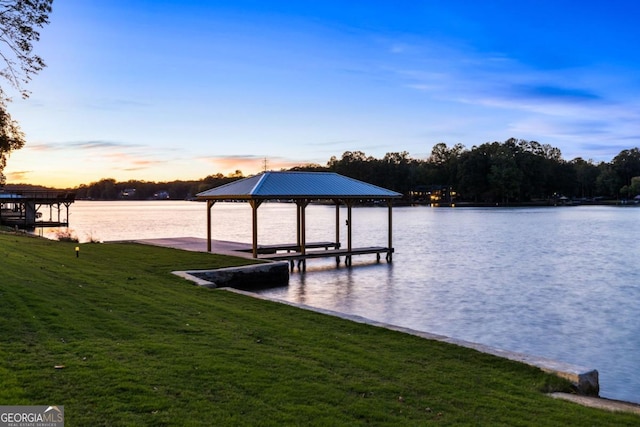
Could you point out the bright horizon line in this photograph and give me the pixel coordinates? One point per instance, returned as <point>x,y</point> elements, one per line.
<point>247,165</point>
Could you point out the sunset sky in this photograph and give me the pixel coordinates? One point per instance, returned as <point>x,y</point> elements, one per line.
<point>161,90</point>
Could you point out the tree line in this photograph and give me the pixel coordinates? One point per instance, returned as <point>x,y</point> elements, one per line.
<point>110,189</point>
<point>514,171</point>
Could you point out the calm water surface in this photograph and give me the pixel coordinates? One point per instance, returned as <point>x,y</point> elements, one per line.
<point>562,283</point>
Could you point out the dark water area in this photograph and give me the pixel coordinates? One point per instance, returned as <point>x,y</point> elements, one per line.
<point>556,282</point>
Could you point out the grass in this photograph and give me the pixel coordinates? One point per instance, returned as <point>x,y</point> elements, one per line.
<point>135,345</point>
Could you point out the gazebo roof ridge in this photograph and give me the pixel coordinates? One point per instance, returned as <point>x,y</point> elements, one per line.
<point>256,188</point>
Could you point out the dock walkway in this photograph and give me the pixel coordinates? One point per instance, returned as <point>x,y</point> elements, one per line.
<point>197,244</point>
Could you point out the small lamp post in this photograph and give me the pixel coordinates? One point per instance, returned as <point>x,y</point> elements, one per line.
<point>77,251</point>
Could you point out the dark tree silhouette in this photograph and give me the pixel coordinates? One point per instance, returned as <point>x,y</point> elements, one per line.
<point>19,24</point>
<point>11,138</point>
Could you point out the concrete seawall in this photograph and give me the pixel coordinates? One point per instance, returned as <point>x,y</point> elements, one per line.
<point>584,380</point>
<point>244,277</point>
<point>241,279</point>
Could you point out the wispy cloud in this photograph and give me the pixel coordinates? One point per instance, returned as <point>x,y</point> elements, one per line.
<point>138,164</point>
<point>115,104</point>
<point>576,109</point>
<point>18,176</point>
<point>551,92</point>
<point>138,160</point>
<point>333,143</point>
<point>232,163</point>
<point>83,145</point>
<point>459,73</point>
<point>249,163</point>
<point>121,156</point>
<point>605,148</point>
<point>90,145</point>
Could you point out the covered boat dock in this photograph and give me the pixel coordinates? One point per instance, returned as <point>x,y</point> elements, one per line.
<point>303,188</point>
<point>23,208</point>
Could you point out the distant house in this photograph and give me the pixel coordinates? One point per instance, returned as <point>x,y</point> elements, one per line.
<point>161,195</point>
<point>433,194</point>
<point>128,193</point>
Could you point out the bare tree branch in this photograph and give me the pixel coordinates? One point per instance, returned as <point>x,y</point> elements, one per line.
<point>19,24</point>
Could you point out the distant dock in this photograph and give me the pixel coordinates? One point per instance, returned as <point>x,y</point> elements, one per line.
<point>31,209</point>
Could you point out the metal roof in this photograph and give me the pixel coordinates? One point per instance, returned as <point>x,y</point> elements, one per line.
<point>298,185</point>
<point>5,196</point>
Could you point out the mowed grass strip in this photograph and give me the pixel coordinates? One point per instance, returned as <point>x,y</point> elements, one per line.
<point>118,340</point>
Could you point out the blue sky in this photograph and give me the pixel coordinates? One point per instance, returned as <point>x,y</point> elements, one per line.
<point>166,89</point>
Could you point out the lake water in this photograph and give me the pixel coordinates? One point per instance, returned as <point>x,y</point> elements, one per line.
<point>562,283</point>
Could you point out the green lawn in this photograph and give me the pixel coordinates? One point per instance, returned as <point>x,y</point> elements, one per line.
<point>140,346</point>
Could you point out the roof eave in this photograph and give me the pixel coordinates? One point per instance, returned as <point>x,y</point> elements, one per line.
<point>298,197</point>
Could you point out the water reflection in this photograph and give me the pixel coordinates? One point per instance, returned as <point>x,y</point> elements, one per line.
<point>551,282</point>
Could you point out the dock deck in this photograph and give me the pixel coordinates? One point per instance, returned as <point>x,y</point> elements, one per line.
<point>272,252</point>
<point>301,258</point>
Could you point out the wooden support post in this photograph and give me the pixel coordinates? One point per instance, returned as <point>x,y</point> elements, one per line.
<point>390,225</point>
<point>209,205</point>
<point>349,204</point>
<point>303,229</point>
<point>255,204</point>
<point>337,202</point>
<point>298,236</point>
<point>302,239</point>
<point>66,205</point>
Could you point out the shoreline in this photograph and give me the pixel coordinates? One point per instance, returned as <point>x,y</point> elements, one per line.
<point>585,380</point>
<point>576,374</point>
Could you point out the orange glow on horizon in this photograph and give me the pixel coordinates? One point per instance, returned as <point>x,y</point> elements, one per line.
<point>30,168</point>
